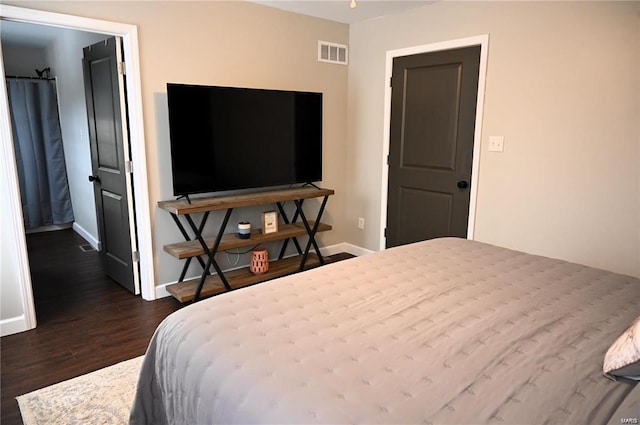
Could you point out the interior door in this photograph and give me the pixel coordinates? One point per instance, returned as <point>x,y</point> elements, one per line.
<point>110,160</point>
<point>433,108</point>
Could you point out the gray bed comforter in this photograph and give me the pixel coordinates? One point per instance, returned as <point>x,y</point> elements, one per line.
<point>447,331</point>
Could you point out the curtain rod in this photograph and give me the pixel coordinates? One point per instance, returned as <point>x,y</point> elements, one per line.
<point>29,78</point>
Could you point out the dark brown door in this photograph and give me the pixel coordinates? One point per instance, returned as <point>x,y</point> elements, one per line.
<point>433,108</point>
<point>108,134</point>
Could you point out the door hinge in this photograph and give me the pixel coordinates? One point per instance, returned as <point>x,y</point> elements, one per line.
<point>121,69</point>
<point>391,82</point>
<point>135,256</point>
<point>385,232</point>
<point>388,162</point>
<point>128,166</point>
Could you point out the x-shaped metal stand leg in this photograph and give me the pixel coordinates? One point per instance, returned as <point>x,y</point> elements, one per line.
<point>311,232</point>
<point>210,252</point>
<point>188,239</point>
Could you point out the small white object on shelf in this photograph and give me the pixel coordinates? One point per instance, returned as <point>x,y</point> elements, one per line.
<point>244,230</point>
<point>269,222</point>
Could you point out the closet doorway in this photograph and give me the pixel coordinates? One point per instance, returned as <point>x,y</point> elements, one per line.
<point>482,41</point>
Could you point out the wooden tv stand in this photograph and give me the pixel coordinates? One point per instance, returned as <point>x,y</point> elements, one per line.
<point>203,249</point>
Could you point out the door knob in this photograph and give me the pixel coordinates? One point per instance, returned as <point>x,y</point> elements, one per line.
<point>463,184</point>
<point>94,179</point>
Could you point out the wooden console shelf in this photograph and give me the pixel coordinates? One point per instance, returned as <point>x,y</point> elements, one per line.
<point>239,278</point>
<point>218,203</point>
<point>182,250</point>
<point>204,249</point>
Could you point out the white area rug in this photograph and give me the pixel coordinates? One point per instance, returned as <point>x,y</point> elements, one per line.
<point>101,397</point>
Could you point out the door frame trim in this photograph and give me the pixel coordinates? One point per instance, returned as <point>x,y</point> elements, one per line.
<point>483,42</point>
<point>13,214</point>
<point>129,34</point>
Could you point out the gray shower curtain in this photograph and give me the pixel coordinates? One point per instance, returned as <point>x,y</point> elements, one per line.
<point>39,154</point>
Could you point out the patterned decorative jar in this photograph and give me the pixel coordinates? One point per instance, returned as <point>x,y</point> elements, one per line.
<point>259,261</point>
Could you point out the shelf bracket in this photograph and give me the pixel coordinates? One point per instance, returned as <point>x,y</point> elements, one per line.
<point>210,252</point>
<point>286,221</point>
<point>311,232</point>
<point>188,239</point>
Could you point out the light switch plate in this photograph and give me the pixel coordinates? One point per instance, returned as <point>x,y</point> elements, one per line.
<point>496,143</point>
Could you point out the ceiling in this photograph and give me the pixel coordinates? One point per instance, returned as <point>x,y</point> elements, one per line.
<point>339,10</point>
<point>20,34</point>
<point>39,36</point>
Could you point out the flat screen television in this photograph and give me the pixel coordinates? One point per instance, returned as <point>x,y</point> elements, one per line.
<point>225,138</point>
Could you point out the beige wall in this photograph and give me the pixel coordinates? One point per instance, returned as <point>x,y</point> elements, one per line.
<point>562,87</point>
<point>225,43</point>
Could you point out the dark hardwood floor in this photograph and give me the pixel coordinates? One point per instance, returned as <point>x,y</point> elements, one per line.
<point>86,321</point>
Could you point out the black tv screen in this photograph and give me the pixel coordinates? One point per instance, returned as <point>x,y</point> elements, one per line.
<point>225,138</point>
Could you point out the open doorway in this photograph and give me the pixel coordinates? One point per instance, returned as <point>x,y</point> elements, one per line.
<point>29,50</point>
<point>24,318</point>
<point>43,71</point>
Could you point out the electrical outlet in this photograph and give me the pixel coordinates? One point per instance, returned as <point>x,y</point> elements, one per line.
<point>496,143</point>
<point>360,223</point>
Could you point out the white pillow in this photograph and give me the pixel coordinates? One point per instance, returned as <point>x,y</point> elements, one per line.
<point>623,357</point>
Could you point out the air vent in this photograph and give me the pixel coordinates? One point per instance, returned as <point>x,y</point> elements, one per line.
<point>332,52</point>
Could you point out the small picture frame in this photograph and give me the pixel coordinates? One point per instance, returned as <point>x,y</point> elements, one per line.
<point>269,222</point>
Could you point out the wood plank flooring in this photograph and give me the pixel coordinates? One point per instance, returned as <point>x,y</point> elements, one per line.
<point>86,321</point>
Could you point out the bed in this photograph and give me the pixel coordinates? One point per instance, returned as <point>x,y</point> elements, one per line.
<point>446,331</point>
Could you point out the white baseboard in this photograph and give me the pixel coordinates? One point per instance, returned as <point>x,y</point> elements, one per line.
<point>13,325</point>
<point>161,290</point>
<point>345,247</point>
<point>87,236</point>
